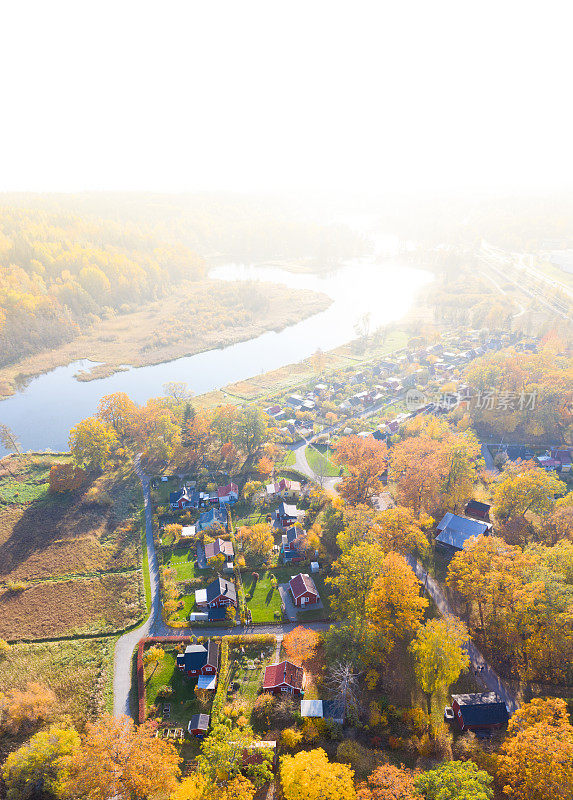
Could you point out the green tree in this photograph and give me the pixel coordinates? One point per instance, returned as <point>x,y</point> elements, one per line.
<point>356,572</point>
<point>455,780</point>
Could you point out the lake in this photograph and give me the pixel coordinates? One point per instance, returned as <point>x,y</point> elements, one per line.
<point>43,412</point>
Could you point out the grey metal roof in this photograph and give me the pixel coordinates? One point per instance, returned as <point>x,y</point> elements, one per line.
<point>455,530</point>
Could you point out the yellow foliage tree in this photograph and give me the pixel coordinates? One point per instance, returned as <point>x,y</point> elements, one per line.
<point>309,775</point>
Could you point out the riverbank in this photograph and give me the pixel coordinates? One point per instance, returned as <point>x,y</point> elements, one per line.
<point>200,316</point>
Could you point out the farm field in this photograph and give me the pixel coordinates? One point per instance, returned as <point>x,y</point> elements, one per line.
<point>100,604</point>
<point>247,669</point>
<point>65,534</point>
<point>69,562</point>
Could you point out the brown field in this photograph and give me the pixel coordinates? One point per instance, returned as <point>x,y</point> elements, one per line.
<point>198,316</point>
<point>80,673</point>
<point>80,532</point>
<point>68,607</point>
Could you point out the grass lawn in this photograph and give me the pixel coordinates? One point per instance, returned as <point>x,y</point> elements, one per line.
<point>182,559</point>
<point>249,680</point>
<point>183,702</point>
<point>319,459</point>
<point>188,607</point>
<point>289,459</point>
<point>265,600</point>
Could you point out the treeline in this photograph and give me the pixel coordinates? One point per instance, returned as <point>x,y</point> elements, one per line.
<point>228,226</point>
<point>60,272</point>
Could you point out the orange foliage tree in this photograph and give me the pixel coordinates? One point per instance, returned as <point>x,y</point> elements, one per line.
<point>118,759</point>
<point>366,460</point>
<point>301,644</point>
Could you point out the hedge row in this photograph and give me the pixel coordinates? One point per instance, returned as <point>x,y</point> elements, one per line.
<point>221,692</point>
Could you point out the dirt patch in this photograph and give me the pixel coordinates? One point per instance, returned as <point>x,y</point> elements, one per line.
<point>64,608</point>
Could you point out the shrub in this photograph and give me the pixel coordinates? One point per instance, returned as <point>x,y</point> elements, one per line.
<point>263,711</point>
<point>361,759</point>
<point>165,692</point>
<point>309,731</point>
<point>291,738</point>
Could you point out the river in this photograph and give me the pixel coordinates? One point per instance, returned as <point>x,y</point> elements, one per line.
<point>42,413</point>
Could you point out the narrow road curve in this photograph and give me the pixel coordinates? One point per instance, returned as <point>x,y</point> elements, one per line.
<point>485,673</point>
<point>127,643</point>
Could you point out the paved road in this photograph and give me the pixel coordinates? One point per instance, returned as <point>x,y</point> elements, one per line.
<point>484,672</point>
<point>127,643</point>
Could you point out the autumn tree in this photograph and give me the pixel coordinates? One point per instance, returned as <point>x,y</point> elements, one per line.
<point>400,530</point>
<point>117,411</point>
<point>117,759</point>
<point>23,708</point>
<point>387,783</point>
<point>221,758</point>
<point>355,573</point>
<point>172,532</point>
<point>91,443</point>
<point>194,787</point>
<point>394,605</point>
<point>439,655</point>
<point>537,754</point>
<point>257,540</point>
<point>8,440</point>
<point>301,644</point>
<point>251,429</point>
<point>526,489</point>
<point>153,657</point>
<point>265,466</point>
<point>65,478</point>
<point>365,459</point>
<point>178,391</point>
<point>309,775</point>
<point>37,766</point>
<point>416,469</point>
<point>455,780</point>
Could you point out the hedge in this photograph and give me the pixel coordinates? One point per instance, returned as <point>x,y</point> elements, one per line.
<point>221,692</point>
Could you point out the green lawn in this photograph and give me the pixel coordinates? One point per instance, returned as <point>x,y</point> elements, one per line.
<point>182,559</point>
<point>265,600</point>
<point>13,491</point>
<point>249,680</point>
<point>319,458</point>
<point>289,459</point>
<point>183,702</point>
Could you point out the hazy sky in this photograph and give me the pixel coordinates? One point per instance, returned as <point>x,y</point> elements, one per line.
<point>278,96</point>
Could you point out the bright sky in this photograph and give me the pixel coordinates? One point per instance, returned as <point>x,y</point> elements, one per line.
<point>312,95</point>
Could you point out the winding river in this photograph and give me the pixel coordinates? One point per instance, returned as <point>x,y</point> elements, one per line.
<point>43,412</point>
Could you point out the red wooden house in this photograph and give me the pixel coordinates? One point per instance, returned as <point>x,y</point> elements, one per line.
<point>199,660</point>
<point>284,677</point>
<point>303,590</point>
